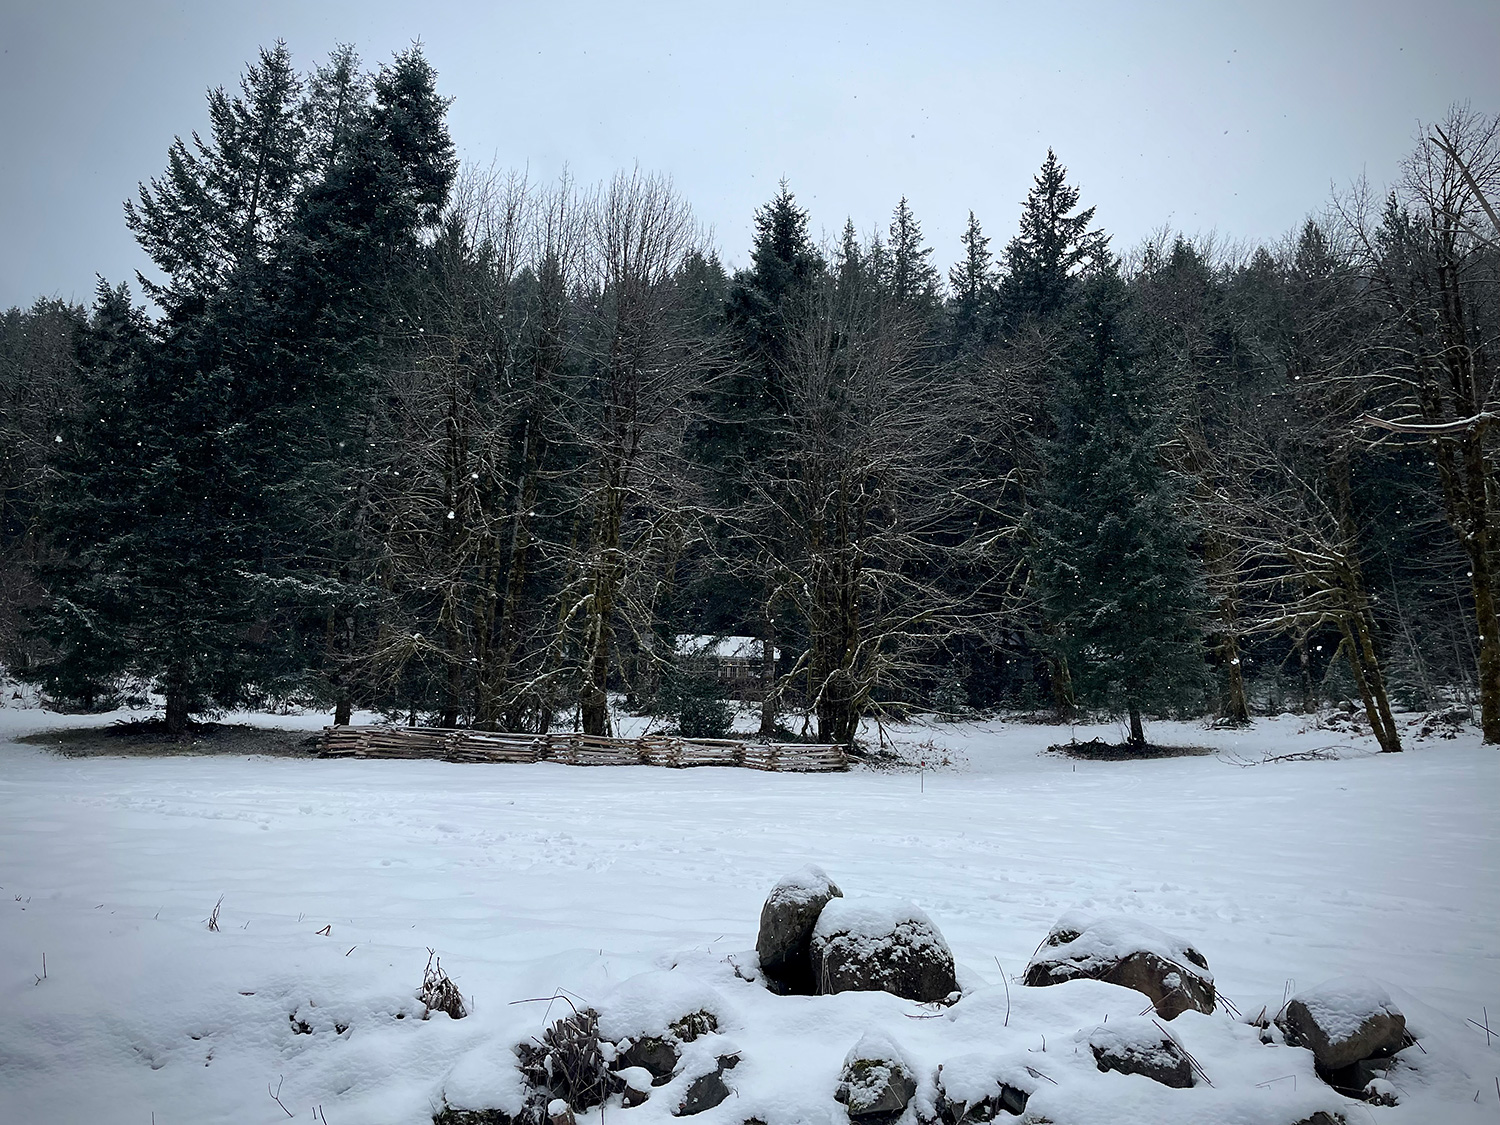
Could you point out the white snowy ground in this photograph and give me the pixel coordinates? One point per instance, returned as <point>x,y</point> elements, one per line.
<point>529,879</point>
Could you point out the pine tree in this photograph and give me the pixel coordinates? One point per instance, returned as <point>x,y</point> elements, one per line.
<point>222,201</point>
<point>1111,554</point>
<point>1052,248</point>
<point>972,282</point>
<point>909,275</point>
<point>204,474</point>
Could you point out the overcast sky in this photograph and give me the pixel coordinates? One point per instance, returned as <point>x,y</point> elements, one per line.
<point>1238,117</point>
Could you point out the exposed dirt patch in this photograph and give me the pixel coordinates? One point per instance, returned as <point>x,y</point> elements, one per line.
<point>148,738</point>
<point>1097,750</point>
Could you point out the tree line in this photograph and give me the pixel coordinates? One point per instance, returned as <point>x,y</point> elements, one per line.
<point>442,442</point>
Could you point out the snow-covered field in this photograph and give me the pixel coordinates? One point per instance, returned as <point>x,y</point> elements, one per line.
<point>337,876</point>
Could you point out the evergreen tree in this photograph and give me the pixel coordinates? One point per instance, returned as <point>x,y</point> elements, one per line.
<point>202,493</point>
<point>972,282</point>
<point>1112,555</point>
<point>909,275</point>
<point>221,202</point>
<point>1052,248</point>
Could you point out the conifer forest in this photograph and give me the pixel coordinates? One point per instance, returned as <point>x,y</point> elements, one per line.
<point>386,432</point>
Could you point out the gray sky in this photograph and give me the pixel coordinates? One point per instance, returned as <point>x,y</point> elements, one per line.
<point>1234,117</point>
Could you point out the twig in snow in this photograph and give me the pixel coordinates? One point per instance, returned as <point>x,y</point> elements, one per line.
<point>1481,1026</point>
<point>44,971</point>
<point>1006,979</point>
<point>1286,996</point>
<point>213,917</point>
<point>326,931</point>
<point>1035,1073</point>
<point>276,1097</point>
<point>1266,1085</point>
<point>1196,1064</point>
<point>1228,1003</point>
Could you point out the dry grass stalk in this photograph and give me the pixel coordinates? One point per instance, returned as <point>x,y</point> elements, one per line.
<point>439,993</point>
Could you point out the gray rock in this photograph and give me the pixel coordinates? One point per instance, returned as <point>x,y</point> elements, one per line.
<point>656,1055</point>
<point>1343,1021</point>
<point>881,946</point>
<point>1123,951</point>
<point>786,926</point>
<point>1139,1047</point>
<point>973,1089</point>
<point>877,1082</point>
<point>707,1090</point>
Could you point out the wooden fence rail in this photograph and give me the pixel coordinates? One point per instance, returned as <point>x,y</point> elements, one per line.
<point>579,749</point>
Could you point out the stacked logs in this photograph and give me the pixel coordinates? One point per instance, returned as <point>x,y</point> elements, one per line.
<point>578,749</point>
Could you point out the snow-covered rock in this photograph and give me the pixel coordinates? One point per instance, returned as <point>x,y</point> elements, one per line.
<point>1343,1021</point>
<point>881,945</point>
<point>786,926</point>
<point>978,1087</point>
<point>1138,1046</point>
<point>663,1004</point>
<point>877,1081</point>
<point>1128,952</point>
<point>709,1088</point>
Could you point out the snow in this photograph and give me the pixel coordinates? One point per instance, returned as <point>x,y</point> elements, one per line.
<point>1103,941</point>
<point>542,881</point>
<point>871,920</point>
<point>1137,1035</point>
<point>877,1046</point>
<point>1340,1007</point>
<point>807,884</point>
<point>722,648</point>
<point>649,1003</point>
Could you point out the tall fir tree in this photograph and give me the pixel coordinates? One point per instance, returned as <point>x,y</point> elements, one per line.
<point>1112,554</point>
<point>227,417</point>
<point>908,272</point>
<point>971,284</point>
<point>1054,246</point>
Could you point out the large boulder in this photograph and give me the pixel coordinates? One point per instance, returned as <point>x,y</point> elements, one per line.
<point>1343,1021</point>
<point>786,926</point>
<point>877,1082</point>
<point>1126,952</point>
<point>1138,1046</point>
<point>881,945</point>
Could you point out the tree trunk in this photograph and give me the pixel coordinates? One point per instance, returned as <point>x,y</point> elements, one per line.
<point>1489,645</point>
<point>768,678</point>
<point>1137,728</point>
<point>1359,648</point>
<point>1236,706</point>
<point>1309,689</point>
<point>177,705</point>
<point>343,710</point>
<point>1062,688</point>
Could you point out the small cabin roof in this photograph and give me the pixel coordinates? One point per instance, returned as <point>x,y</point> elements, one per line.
<point>720,647</point>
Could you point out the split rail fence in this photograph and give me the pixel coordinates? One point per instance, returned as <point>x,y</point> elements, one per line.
<point>578,749</point>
